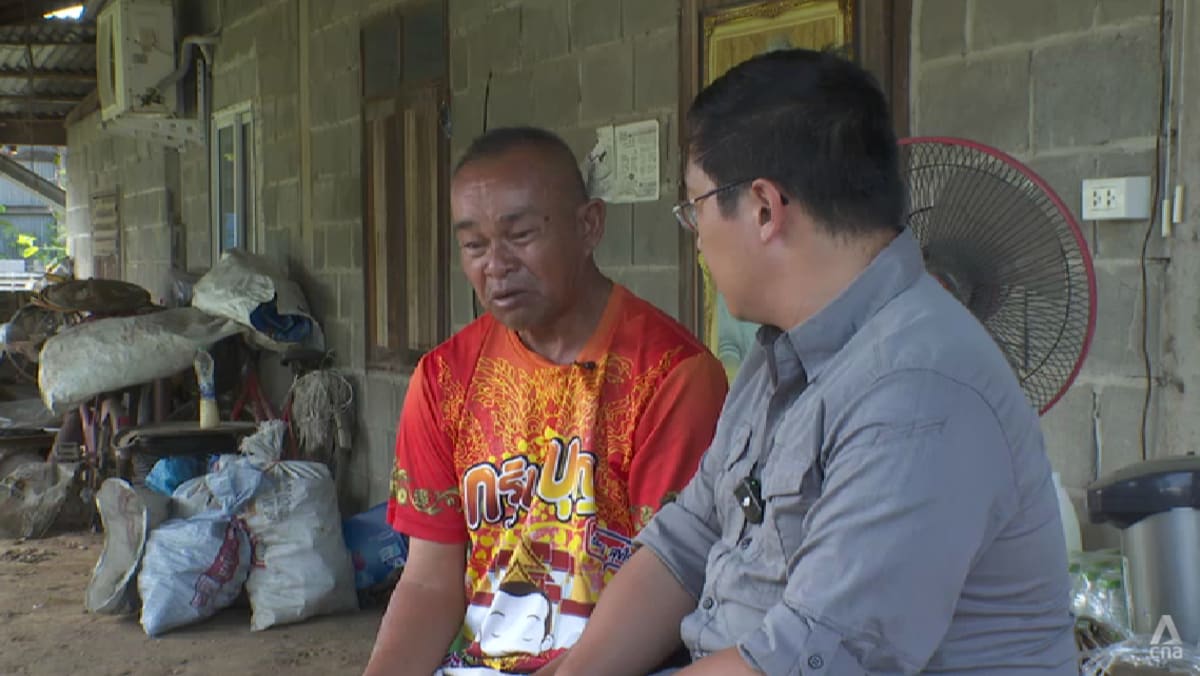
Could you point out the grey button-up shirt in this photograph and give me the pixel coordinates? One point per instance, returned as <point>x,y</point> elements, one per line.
<point>910,525</point>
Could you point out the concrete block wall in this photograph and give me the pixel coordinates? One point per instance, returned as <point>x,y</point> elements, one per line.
<point>572,66</point>
<point>149,213</point>
<point>1072,88</point>
<point>296,64</point>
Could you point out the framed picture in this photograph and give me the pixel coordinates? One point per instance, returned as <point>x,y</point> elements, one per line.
<point>731,36</point>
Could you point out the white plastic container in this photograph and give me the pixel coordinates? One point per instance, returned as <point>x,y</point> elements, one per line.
<point>1070,522</point>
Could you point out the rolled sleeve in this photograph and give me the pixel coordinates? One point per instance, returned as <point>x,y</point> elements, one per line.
<point>680,540</point>
<point>771,649</point>
<point>918,482</point>
<point>684,530</point>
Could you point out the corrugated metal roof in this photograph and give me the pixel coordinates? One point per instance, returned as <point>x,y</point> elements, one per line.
<point>63,48</point>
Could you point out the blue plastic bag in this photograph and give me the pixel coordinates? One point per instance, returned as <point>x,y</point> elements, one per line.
<point>168,473</point>
<point>376,550</point>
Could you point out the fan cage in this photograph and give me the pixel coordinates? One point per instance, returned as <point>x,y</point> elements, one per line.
<point>1006,245</point>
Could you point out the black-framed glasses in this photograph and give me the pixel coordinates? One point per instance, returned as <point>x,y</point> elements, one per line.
<point>685,212</point>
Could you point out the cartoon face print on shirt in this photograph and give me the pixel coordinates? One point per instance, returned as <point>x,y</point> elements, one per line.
<point>518,622</point>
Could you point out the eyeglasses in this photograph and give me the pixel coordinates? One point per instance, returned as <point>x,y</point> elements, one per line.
<point>685,212</point>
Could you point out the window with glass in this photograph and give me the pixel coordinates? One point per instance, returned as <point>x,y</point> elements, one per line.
<point>232,181</point>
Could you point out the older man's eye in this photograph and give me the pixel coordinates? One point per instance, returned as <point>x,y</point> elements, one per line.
<point>471,246</point>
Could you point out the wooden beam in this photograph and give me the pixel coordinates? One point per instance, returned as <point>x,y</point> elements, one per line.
<point>32,132</point>
<point>44,42</point>
<point>89,105</point>
<point>50,75</point>
<point>40,98</point>
<point>16,172</point>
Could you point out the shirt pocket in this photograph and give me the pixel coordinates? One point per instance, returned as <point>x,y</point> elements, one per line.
<point>791,483</point>
<point>736,467</point>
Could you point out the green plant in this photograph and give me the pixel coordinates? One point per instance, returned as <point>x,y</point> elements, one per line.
<point>47,253</point>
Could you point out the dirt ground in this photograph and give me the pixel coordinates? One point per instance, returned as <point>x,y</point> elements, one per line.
<point>45,630</point>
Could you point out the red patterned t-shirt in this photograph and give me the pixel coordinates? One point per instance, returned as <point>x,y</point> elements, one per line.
<point>548,471</point>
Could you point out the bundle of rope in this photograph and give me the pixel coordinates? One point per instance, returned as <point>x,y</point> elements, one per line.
<point>322,413</point>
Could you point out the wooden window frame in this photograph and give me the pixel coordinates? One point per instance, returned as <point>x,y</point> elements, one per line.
<point>882,35</point>
<point>400,353</point>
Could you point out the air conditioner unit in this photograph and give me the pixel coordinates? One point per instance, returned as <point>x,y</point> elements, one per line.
<point>135,51</point>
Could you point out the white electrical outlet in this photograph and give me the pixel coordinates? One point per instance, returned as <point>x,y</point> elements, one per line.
<point>1116,199</point>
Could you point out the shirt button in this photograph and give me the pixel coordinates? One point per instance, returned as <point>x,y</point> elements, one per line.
<point>745,543</point>
<point>708,604</point>
<point>815,662</point>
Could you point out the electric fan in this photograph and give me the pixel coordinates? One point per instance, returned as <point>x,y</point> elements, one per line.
<point>1003,243</point>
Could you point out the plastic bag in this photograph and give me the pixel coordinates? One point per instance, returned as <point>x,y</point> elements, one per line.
<point>128,514</point>
<point>301,565</point>
<point>31,498</point>
<point>1099,598</point>
<point>1143,652</point>
<point>249,290</point>
<point>109,354</point>
<point>170,472</point>
<point>194,567</point>
<point>376,549</point>
<point>192,497</point>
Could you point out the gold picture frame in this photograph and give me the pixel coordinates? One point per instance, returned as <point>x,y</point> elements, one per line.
<point>733,35</point>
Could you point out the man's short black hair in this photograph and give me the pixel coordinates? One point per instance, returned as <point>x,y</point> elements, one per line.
<point>813,122</point>
<point>501,140</point>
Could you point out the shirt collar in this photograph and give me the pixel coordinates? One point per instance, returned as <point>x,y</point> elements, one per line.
<point>811,345</point>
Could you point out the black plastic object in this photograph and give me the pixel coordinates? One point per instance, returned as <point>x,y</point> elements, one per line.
<point>1144,489</point>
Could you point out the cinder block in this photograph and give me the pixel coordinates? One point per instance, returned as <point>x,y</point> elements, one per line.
<point>1069,433</point>
<point>1065,174</point>
<point>616,246</point>
<point>943,27</point>
<point>656,233</point>
<point>557,92</point>
<point>658,285</point>
<point>1118,11</point>
<point>594,22</point>
<point>1124,239</point>
<point>1121,425</point>
<point>608,81</point>
<point>466,119</point>
<point>509,103</point>
<point>464,15</point>
<point>324,111</point>
<point>339,246</point>
<point>460,64</point>
<point>1111,73</point>
<point>350,197</point>
<point>986,100</point>
<point>646,16</point>
<point>324,200</point>
<point>501,40</point>
<point>581,140</point>
<point>1116,347</point>
<point>1018,21</point>
<point>317,254</point>
<point>352,297</point>
<point>280,74</point>
<point>287,209</point>
<point>656,70</point>
<point>281,160</point>
<point>544,30</point>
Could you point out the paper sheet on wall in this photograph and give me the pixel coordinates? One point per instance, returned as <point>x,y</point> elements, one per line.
<point>624,164</point>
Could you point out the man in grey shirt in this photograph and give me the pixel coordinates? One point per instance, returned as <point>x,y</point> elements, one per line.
<point>877,498</point>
